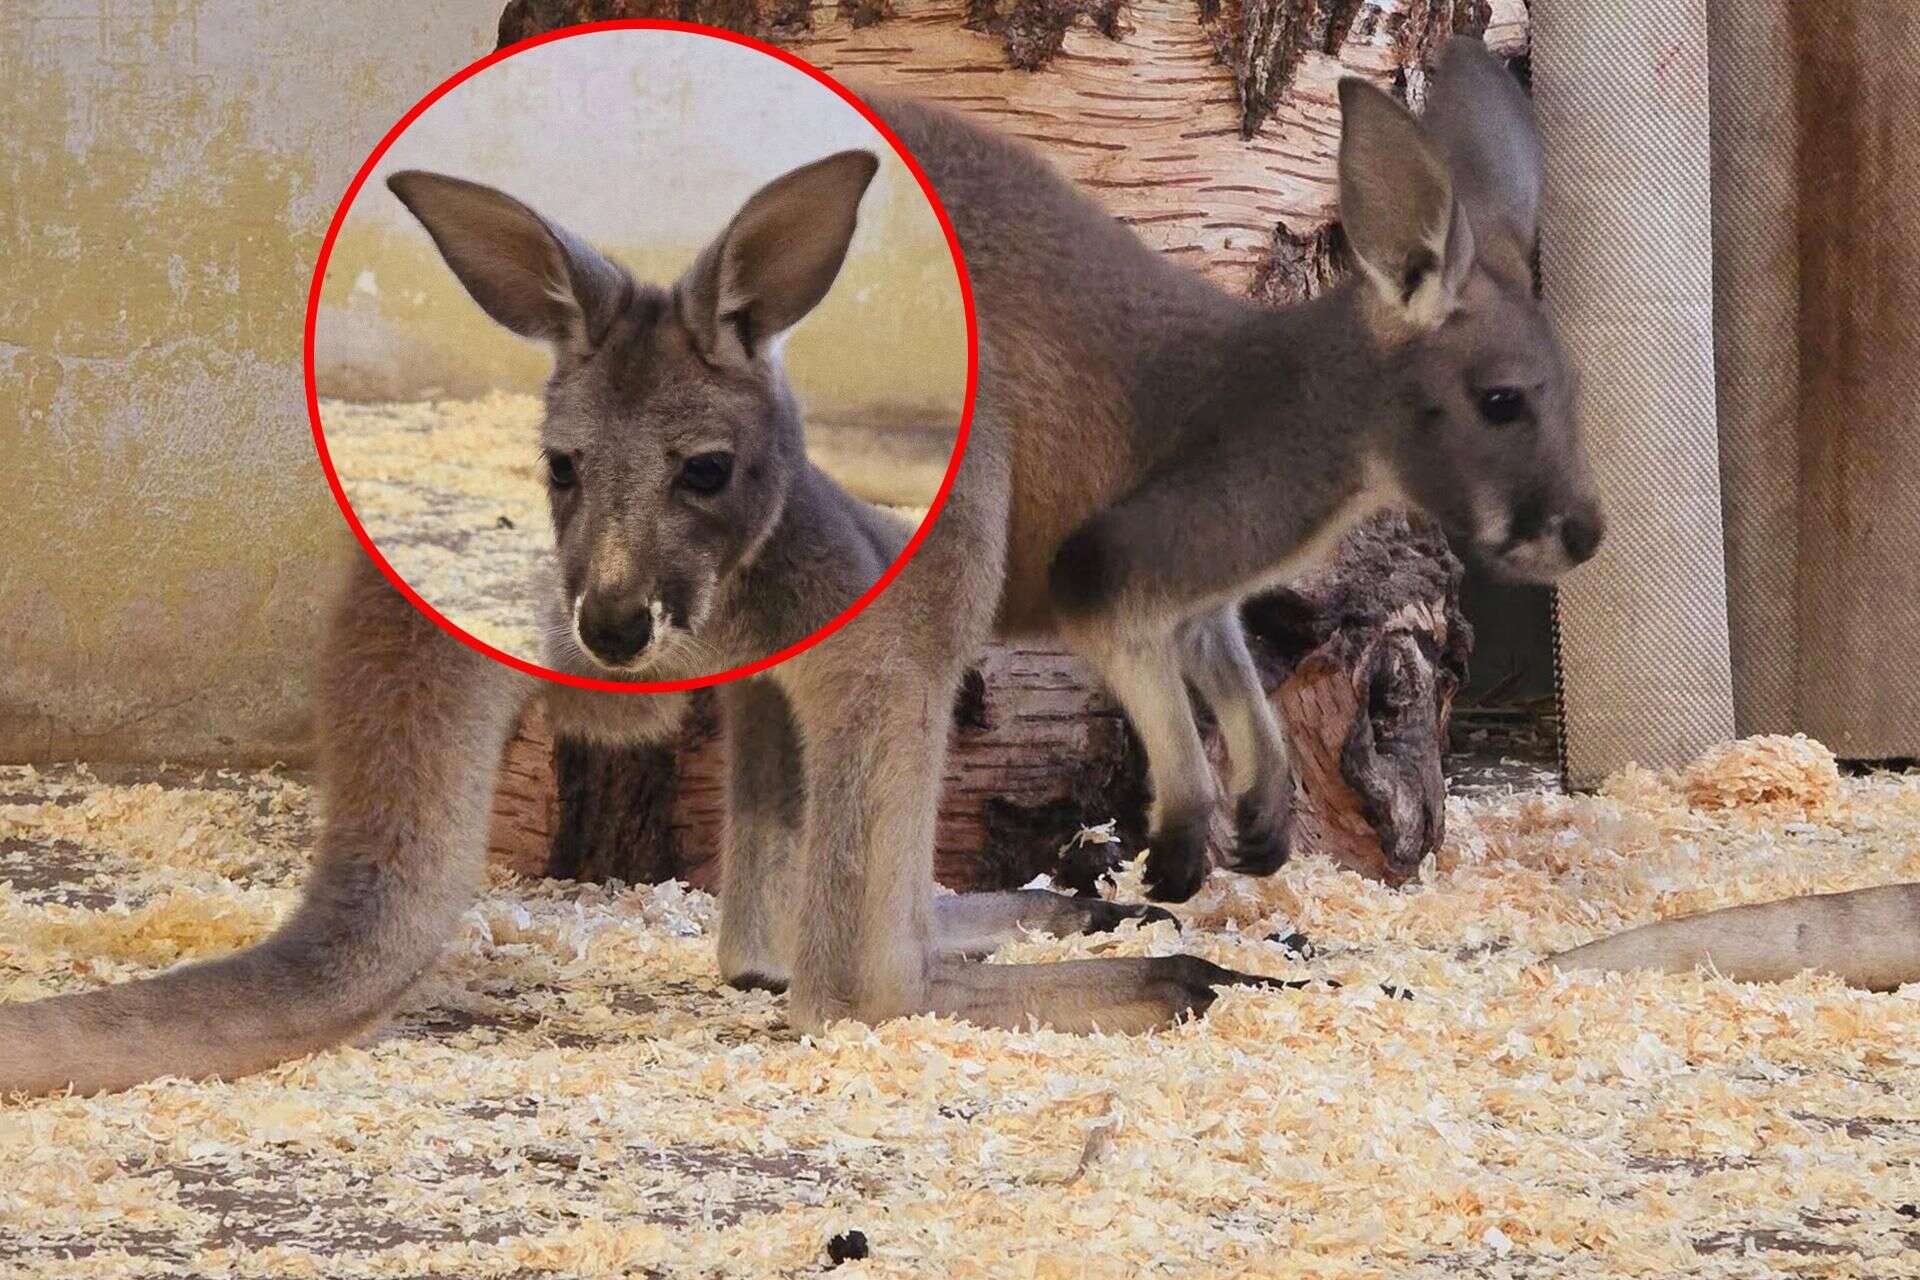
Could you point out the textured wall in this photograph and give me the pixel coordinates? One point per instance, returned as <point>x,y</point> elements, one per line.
<point>1626,253</point>
<point>166,173</point>
<point>1856,553</point>
<point>645,143</point>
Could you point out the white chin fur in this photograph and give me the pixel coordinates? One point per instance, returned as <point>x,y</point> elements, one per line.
<point>1537,560</point>
<point>634,668</point>
<point>658,642</point>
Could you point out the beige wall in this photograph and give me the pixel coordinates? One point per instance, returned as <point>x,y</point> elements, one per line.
<point>644,143</point>
<point>166,171</point>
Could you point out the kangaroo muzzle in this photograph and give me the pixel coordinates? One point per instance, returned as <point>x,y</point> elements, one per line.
<point>1582,531</point>
<point>1542,540</point>
<point>1574,531</point>
<point>615,628</point>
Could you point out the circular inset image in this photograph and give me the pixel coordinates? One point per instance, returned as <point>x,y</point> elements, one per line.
<point>640,357</point>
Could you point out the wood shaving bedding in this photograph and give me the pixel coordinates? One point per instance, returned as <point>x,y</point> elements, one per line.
<point>573,1093</point>
<point>450,491</point>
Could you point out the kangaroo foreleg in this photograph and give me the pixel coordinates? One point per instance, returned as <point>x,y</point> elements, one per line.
<point>412,727</point>
<point>766,804</point>
<point>1213,650</point>
<point>1147,592</point>
<point>1142,670</point>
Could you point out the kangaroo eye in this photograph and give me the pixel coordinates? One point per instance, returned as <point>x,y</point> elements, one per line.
<point>1502,405</point>
<point>707,472</point>
<point>560,472</point>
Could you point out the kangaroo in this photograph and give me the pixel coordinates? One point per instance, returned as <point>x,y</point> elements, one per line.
<point>1869,938</point>
<point>1147,450</point>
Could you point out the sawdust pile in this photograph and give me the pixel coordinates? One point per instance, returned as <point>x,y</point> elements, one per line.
<point>450,491</point>
<point>1773,776</point>
<point>574,1094</point>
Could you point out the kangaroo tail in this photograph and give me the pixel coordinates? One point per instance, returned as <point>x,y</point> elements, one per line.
<point>1869,938</point>
<point>412,726</point>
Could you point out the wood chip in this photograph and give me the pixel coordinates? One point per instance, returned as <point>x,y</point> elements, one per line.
<point>572,1091</point>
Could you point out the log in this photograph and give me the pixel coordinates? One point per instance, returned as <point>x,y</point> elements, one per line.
<point>1038,753</point>
<point>1867,938</point>
<point>1364,659</point>
<point>1209,127</point>
<point>1200,132</point>
<point>526,800</point>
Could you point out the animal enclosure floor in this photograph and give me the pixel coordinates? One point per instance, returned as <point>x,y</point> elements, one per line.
<point>450,492</point>
<point>572,1092</point>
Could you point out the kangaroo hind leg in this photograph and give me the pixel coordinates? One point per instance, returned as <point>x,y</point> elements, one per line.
<point>873,707</point>
<point>871,941</point>
<point>766,805</point>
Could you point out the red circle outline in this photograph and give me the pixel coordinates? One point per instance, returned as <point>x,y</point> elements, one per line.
<point>746,669</point>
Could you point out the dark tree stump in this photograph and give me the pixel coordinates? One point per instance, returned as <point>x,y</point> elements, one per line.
<point>1364,659</point>
<point>616,806</point>
<point>766,19</point>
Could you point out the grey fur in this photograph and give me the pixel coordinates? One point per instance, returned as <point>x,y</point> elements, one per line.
<point>646,379</point>
<point>1147,451</point>
<point>1173,449</point>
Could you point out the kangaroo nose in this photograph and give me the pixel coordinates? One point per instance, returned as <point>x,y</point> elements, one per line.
<point>615,628</point>
<point>1582,533</point>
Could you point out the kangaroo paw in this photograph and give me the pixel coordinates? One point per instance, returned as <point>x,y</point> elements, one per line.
<point>1177,861</point>
<point>1105,917</point>
<point>1190,985</point>
<point>1263,839</point>
<point>756,982</point>
<point>1117,996</point>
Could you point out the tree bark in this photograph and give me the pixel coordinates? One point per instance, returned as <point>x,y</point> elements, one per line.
<point>1205,145</point>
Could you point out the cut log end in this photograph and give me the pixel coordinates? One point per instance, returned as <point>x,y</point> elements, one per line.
<point>1365,657</point>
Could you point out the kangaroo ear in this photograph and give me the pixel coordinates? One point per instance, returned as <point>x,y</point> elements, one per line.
<point>1479,117</point>
<point>530,275</point>
<point>777,258</point>
<point>1396,204</point>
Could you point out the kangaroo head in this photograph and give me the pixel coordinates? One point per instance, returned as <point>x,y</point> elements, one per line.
<point>671,437</point>
<point>1443,214</point>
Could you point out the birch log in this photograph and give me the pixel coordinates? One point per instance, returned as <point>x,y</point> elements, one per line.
<point>1868,938</point>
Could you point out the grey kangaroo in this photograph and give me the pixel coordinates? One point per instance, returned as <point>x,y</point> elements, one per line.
<point>1147,451</point>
